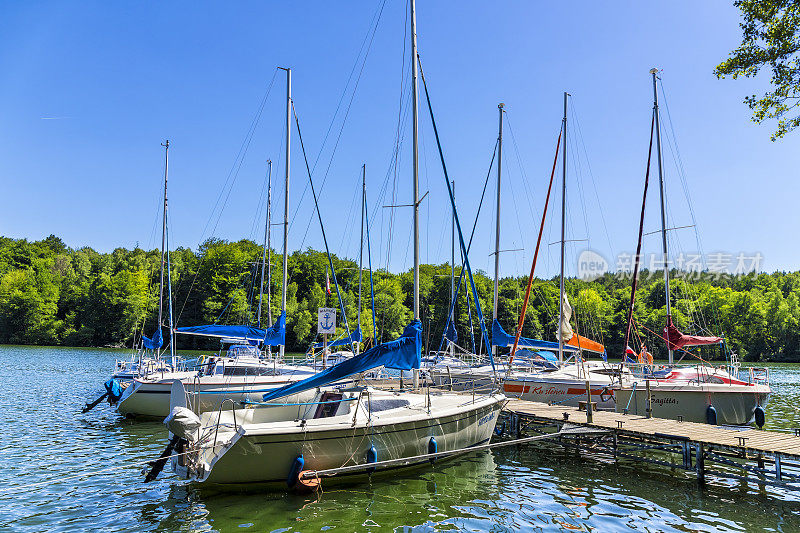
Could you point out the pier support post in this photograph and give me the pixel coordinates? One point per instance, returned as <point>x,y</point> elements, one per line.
<point>515,425</point>
<point>588,403</point>
<point>778,466</point>
<point>701,463</point>
<point>649,402</point>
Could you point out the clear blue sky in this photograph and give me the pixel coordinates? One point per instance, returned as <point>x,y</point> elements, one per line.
<point>90,90</point>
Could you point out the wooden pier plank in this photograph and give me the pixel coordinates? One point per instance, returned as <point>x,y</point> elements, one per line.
<point>756,439</point>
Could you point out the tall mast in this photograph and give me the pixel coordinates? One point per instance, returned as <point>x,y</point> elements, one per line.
<point>266,244</point>
<point>169,299</point>
<point>452,269</point>
<point>654,72</point>
<point>563,233</point>
<point>163,235</point>
<point>269,245</point>
<point>415,156</point>
<point>361,245</point>
<point>415,163</point>
<point>286,196</point>
<point>497,220</point>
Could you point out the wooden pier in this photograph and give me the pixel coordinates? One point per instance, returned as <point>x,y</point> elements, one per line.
<point>733,452</point>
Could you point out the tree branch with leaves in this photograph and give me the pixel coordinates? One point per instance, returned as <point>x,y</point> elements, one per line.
<point>770,40</point>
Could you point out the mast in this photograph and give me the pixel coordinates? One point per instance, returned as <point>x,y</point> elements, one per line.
<point>497,221</point>
<point>163,236</point>
<point>415,163</point>
<point>269,246</point>
<point>169,299</point>
<point>286,196</point>
<point>361,245</point>
<point>654,72</point>
<point>266,241</point>
<point>452,270</point>
<point>563,236</point>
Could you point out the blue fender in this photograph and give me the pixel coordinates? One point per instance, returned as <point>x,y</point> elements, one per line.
<point>294,472</point>
<point>372,457</point>
<point>711,415</point>
<point>433,447</point>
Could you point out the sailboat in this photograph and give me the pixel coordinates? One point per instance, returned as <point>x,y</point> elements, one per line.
<point>241,373</point>
<point>278,439</point>
<point>533,370</point>
<point>143,363</point>
<point>147,359</point>
<point>695,393</point>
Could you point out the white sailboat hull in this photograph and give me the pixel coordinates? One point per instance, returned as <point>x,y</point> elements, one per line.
<point>566,386</point>
<point>265,455</point>
<point>151,398</point>
<point>567,392</point>
<point>734,404</point>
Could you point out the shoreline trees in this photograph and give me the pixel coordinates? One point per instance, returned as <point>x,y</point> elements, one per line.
<point>53,295</point>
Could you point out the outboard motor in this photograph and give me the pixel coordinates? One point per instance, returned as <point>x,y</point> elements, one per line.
<point>114,390</point>
<point>183,426</point>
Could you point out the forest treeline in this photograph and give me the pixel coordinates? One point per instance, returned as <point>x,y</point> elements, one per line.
<point>51,294</point>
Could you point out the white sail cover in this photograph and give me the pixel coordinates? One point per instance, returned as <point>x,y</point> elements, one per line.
<point>566,329</point>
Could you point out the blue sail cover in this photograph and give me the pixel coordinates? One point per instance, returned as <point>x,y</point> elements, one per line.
<point>501,338</point>
<point>354,337</point>
<point>154,343</point>
<point>275,335</point>
<point>451,334</point>
<point>403,353</point>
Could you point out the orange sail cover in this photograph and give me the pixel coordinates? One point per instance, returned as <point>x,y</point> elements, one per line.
<point>586,344</point>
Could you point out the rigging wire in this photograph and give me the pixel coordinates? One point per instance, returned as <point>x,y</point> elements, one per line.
<point>319,217</point>
<point>230,180</point>
<point>374,30</point>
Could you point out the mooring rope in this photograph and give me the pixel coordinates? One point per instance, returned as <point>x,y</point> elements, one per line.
<point>310,474</point>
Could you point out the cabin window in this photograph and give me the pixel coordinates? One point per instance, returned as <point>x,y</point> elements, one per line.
<point>329,404</point>
<point>248,371</point>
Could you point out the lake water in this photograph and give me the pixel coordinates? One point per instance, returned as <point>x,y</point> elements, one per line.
<point>61,470</point>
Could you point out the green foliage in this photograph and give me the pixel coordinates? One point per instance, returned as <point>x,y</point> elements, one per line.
<point>50,294</point>
<point>769,39</point>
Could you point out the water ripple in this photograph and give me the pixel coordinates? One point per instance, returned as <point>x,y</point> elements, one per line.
<point>89,470</point>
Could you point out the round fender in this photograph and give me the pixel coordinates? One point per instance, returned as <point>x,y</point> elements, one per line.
<point>306,485</point>
<point>760,416</point>
<point>294,472</point>
<point>433,447</point>
<point>500,429</point>
<point>372,457</point>
<point>711,415</point>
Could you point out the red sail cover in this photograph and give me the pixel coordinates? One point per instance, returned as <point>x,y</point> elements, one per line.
<point>676,339</point>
